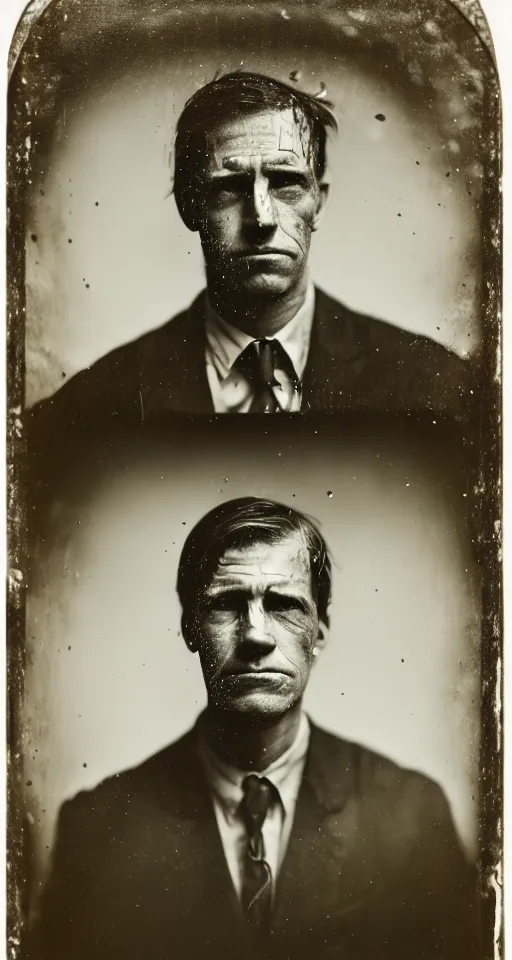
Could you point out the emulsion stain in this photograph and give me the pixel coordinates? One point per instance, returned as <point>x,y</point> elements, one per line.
<point>33,237</point>
<point>380,116</point>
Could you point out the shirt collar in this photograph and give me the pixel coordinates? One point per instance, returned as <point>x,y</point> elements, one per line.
<point>227,342</point>
<point>285,772</point>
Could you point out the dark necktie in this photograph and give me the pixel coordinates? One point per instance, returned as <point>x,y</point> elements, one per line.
<point>259,793</point>
<point>258,363</point>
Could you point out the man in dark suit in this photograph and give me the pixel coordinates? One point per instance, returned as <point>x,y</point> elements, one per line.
<point>250,160</point>
<point>258,834</point>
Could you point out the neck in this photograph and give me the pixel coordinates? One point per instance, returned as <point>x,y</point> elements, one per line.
<point>248,744</point>
<point>258,317</point>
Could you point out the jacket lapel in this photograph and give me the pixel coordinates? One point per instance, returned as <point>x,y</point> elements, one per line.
<point>335,359</point>
<point>323,876</point>
<point>173,368</point>
<point>201,900</point>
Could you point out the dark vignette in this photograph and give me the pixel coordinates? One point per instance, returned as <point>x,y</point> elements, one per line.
<point>17,861</point>
<point>488,535</point>
<point>485,496</point>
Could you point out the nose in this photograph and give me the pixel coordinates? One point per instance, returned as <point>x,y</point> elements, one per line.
<point>255,631</point>
<point>263,211</point>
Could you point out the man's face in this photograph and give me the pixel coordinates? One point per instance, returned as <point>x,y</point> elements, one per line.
<point>257,626</point>
<point>262,201</point>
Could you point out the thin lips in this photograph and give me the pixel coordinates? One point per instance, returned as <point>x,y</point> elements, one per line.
<point>253,670</point>
<point>268,251</point>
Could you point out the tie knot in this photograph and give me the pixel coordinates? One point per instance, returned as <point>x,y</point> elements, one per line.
<point>259,794</point>
<point>258,364</point>
<point>259,360</point>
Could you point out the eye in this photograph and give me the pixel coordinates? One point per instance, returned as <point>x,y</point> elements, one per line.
<point>231,601</point>
<point>229,187</point>
<point>218,603</point>
<point>280,603</point>
<point>287,180</point>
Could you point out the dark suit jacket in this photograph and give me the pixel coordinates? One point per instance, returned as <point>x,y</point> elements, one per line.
<point>373,869</point>
<point>355,363</point>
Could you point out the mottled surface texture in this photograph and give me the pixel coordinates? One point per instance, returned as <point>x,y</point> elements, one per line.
<point>96,258</point>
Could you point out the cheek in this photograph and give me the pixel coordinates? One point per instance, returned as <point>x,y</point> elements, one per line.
<point>297,222</point>
<point>295,634</point>
<point>217,634</point>
<point>221,226</point>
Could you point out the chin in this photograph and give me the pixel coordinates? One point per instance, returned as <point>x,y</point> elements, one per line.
<point>269,285</point>
<point>258,706</point>
<point>240,696</point>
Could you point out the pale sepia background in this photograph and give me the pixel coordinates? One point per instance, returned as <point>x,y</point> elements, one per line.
<point>107,255</point>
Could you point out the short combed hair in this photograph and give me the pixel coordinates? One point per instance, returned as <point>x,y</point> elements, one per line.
<point>238,94</point>
<point>242,522</point>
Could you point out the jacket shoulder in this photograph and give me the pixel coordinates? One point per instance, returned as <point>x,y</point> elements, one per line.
<point>162,773</point>
<point>376,778</point>
<point>385,368</point>
<point>113,379</point>
<point>380,333</point>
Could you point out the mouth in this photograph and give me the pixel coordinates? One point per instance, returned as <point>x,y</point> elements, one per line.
<point>256,672</point>
<point>269,253</point>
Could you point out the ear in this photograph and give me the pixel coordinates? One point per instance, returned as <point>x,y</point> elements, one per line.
<point>321,640</point>
<point>189,634</point>
<point>323,195</point>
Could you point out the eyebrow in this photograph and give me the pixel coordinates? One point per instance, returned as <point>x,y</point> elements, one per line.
<point>283,591</point>
<point>283,161</point>
<point>234,592</point>
<point>243,176</point>
<point>238,165</point>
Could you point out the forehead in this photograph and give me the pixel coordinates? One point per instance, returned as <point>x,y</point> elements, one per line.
<point>285,562</point>
<point>280,134</point>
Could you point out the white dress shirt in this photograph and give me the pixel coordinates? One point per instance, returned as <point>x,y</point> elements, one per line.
<point>231,391</point>
<point>225,784</point>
